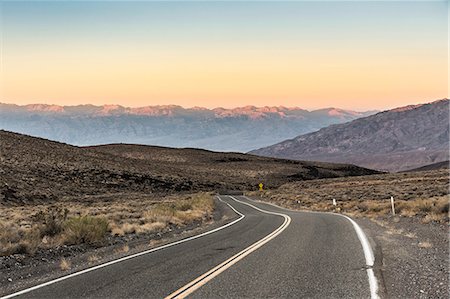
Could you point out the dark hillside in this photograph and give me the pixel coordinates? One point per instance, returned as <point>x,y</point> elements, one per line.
<point>37,170</point>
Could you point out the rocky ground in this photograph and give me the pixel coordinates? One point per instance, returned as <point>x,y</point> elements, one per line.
<point>412,257</point>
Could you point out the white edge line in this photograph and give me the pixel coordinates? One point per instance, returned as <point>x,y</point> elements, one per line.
<point>242,216</point>
<point>367,249</point>
<point>195,284</point>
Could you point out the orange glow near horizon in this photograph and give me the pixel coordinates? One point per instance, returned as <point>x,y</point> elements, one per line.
<point>224,80</point>
<point>355,73</point>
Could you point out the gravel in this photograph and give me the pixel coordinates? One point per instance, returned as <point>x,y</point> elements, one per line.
<point>412,257</point>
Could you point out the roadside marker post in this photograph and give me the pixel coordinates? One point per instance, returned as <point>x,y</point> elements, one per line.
<point>334,202</point>
<point>392,206</point>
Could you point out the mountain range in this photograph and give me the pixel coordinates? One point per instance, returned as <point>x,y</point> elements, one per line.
<point>394,140</point>
<point>240,129</point>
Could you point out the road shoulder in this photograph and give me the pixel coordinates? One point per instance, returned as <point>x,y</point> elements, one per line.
<point>411,257</point>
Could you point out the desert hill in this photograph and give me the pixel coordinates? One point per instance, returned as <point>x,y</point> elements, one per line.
<point>37,170</point>
<point>393,140</point>
<point>434,166</point>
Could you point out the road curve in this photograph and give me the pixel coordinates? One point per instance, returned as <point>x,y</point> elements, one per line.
<point>266,252</point>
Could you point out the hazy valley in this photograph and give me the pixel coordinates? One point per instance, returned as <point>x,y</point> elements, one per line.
<point>173,126</point>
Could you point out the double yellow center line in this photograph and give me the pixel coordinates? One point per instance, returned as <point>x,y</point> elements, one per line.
<point>204,278</point>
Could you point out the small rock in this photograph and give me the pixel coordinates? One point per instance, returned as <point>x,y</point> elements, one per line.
<point>9,279</point>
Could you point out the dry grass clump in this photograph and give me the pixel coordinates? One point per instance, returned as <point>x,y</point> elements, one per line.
<point>430,209</point>
<point>182,211</point>
<point>25,229</point>
<point>51,229</point>
<point>158,216</point>
<point>93,258</point>
<point>14,239</point>
<point>64,264</point>
<point>417,194</point>
<point>124,249</point>
<point>85,229</point>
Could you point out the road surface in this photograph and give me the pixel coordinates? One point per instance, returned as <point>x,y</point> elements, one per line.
<point>265,252</point>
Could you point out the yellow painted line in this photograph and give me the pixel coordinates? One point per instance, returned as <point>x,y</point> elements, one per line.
<point>206,277</point>
<point>242,216</point>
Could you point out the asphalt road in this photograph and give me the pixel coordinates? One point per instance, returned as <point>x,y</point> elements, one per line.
<point>267,252</point>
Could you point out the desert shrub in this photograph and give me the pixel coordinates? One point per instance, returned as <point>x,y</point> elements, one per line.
<point>442,205</point>
<point>151,227</point>
<point>64,264</point>
<point>30,241</point>
<point>363,207</point>
<point>184,205</point>
<point>163,212</point>
<point>182,211</point>
<point>188,216</point>
<point>203,201</point>
<point>85,229</point>
<point>377,206</point>
<point>14,240</point>
<point>51,220</point>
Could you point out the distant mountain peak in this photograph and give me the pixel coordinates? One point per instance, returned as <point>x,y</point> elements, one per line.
<point>170,110</point>
<point>44,108</point>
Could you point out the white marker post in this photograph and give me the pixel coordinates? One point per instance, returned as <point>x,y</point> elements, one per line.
<point>334,202</point>
<point>392,206</point>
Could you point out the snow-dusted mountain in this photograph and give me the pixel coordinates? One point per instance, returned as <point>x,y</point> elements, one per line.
<point>238,129</point>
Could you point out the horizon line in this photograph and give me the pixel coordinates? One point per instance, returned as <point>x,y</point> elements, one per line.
<point>220,107</point>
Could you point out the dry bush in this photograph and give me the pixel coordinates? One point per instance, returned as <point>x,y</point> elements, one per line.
<point>64,264</point>
<point>14,239</point>
<point>182,211</point>
<point>433,217</point>
<point>93,258</point>
<point>163,212</point>
<point>431,209</point>
<point>124,249</point>
<point>25,229</point>
<point>150,227</point>
<point>52,220</point>
<point>116,230</point>
<point>85,229</point>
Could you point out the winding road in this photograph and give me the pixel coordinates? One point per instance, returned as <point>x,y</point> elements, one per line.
<point>264,252</point>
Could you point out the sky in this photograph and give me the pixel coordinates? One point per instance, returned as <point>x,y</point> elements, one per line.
<point>311,54</point>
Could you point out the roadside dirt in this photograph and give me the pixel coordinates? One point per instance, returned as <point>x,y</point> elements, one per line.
<point>412,257</point>
<point>20,271</point>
